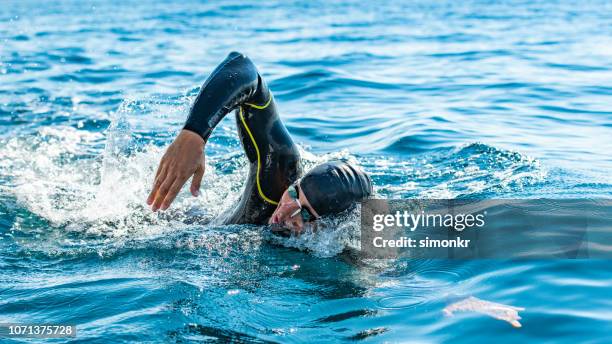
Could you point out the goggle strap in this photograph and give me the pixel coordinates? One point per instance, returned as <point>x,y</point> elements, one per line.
<point>298,210</point>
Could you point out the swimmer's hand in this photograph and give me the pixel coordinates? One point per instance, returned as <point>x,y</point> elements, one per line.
<point>496,310</point>
<point>183,158</point>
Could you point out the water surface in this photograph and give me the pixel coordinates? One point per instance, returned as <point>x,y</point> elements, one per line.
<point>440,100</point>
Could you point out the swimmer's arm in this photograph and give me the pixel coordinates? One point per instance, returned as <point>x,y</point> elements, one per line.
<point>233,82</point>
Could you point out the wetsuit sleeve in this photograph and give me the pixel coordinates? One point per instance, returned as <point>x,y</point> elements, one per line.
<point>232,83</point>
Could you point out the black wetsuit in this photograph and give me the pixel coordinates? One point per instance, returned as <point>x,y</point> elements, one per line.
<point>274,159</point>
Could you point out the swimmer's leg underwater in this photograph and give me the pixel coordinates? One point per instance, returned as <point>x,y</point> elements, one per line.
<point>274,160</point>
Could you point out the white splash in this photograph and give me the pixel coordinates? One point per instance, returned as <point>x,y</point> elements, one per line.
<point>58,175</point>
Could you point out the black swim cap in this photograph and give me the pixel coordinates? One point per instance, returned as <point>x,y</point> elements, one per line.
<point>334,186</point>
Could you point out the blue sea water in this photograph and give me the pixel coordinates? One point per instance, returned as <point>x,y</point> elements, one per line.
<point>444,99</point>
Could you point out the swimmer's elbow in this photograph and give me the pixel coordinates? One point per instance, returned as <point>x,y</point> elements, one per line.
<point>235,54</point>
<point>241,65</point>
<point>243,68</point>
<point>241,58</point>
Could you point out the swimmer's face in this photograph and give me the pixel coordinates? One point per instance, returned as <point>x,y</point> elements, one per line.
<point>288,216</point>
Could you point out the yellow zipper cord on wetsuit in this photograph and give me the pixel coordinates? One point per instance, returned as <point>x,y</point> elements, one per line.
<point>261,107</point>
<point>246,127</point>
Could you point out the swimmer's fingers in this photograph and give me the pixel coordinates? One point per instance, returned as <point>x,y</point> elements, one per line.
<point>172,192</point>
<point>161,192</point>
<point>160,176</point>
<point>197,180</point>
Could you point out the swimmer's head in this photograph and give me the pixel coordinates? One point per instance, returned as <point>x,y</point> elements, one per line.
<point>327,189</point>
<point>335,186</point>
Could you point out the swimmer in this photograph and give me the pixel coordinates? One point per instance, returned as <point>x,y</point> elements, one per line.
<point>277,192</point>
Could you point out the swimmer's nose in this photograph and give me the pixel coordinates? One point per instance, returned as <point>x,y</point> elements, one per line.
<point>281,213</point>
<point>274,219</point>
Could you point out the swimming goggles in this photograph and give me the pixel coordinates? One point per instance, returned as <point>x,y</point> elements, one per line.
<point>294,192</point>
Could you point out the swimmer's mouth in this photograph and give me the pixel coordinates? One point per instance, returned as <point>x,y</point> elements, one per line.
<point>286,232</point>
<point>280,230</point>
